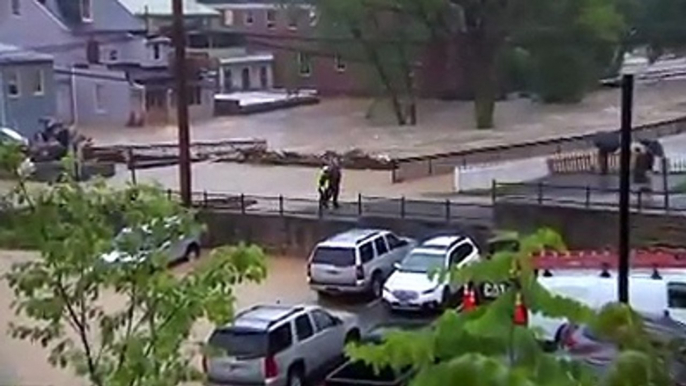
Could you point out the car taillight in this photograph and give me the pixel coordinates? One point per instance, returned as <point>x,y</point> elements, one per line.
<point>359,272</point>
<point>271,369</point>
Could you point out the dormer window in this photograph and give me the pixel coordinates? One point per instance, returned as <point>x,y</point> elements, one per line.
<point>86,10</point>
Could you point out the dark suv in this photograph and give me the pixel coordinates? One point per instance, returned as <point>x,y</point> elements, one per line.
<point>278,345</point>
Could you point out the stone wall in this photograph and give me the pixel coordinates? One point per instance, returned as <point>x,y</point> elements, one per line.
<point>297,235</point>
<point>593,228</point>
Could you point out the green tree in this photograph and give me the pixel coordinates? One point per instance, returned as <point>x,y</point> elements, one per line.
<point>383,37</point>
<point>60,295</point>
<point>485,346</point>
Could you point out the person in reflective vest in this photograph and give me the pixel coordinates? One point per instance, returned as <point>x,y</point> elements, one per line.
<point>323,186</point>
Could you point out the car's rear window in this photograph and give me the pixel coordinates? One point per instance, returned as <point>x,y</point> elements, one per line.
<point>243,343</point>
<point>340,257</point>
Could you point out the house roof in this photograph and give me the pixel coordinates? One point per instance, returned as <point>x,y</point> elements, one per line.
<point>164,8</point>
<point>13,54</point>
<point>107,16</point>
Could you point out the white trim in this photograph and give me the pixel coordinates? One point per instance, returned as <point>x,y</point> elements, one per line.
<point>17,79</point>
<point>41,78</point>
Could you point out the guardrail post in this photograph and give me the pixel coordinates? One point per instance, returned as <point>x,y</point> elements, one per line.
<point>242,203</point>
<point>169,194</point>
<point>588,196</point>
<point>639,199</point>
<point>402,207</point>
<point>540,193</point>
<point>320,210</point>
<point>204,198</point>
<point>281,205</point>
<point>359,204</point>
<point>447,210</point>
<point>666,193</point>
<point>494,191</point>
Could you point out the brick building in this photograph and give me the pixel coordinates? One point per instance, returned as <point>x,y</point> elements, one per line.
<point>301,60</point>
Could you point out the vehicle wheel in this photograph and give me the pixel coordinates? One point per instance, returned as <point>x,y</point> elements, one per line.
<point>352,336</point>
<point>295,377</point>
<point>376,286</point>
<point>445,299</point>
<point>192,252</point>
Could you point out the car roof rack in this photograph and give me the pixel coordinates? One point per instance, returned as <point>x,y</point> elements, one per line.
<point>606,260</point>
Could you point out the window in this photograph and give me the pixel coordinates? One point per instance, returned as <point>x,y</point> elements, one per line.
<point>240,342</point>
<point>394,242</point>
<point>271,18</point>
<point>381,247</point>
<point>676,295</point>
<point>38,86</point>
<point>292,19</point>
<point>322,320</point>
<point>13,88</point>
<point>99,97</point>
<point>313,17</point>
<point>249,18</point>
<point>366,252</point>
<point>339,257</point>
<point>339,63</point>
<point>86,10</point>
<point>304,64</point>
<point>303,327</point>
<point>156,51</point>
<point>16,7</point>
<point>114,55</point>
<point>228,80</point>
<point>280,339</point>
<point>460,253</point>
<point>228,17</point>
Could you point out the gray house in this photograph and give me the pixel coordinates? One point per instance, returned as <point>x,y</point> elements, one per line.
<point>27,89</point>
<point>85,37</point>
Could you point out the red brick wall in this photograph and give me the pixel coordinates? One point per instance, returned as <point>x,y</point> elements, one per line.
<point>441,74</point>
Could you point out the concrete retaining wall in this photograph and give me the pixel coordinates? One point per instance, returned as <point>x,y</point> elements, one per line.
<point>481,176</point>
<point>297,235</point>
<point>592,228</point>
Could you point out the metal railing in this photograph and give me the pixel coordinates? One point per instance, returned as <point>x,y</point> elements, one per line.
<point>363,206</point>
<point>586,196</point>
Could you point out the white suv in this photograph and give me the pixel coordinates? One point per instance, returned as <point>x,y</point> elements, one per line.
<point>410,287</point>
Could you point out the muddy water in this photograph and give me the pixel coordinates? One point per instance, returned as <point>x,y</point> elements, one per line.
<point>25,364</point>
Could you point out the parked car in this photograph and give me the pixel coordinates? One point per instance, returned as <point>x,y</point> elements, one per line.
<point>278,345</point>
<point>8,135</point>
<point>356,261</point>
<point>581,343</point>
<point>186,247</point>
<point>412,287</point>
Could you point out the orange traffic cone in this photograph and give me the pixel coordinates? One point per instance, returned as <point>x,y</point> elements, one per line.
<point>521,314</point>
<point>469,299</point>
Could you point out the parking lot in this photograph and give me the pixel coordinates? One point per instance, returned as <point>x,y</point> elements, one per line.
<point>22,363</point>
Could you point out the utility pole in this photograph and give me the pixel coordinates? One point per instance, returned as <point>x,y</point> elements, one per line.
<point>625,187</point>
<point>179,38</point>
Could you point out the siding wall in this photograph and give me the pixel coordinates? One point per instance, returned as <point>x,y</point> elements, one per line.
<point>23,111</point>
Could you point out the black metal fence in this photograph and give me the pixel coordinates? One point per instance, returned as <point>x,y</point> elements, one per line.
<point>587,196</point>
<point>364,206</point>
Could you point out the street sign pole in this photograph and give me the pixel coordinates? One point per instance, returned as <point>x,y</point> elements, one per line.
<point>179,39</point>
<point>624,187</point>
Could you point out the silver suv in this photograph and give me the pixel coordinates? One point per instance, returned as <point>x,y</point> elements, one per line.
<point>278,345</point>
<point>356,261</point>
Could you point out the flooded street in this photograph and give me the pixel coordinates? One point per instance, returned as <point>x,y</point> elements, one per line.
<point>340,124</point>
<point>25,364</point>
